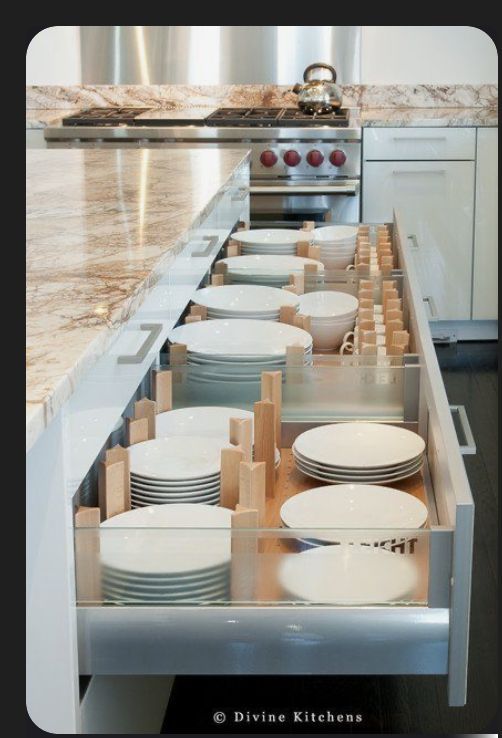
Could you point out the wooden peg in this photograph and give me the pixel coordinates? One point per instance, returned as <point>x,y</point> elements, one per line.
<point>87,560</point>
<point>303,321</point>
<point>366,284</point>
<point>400,338</point>
<point>295,355</point>
<point>310,270</point>
<point>111,484</point>
<point>365,315</point>
<point>298,281</point>
<point>308,225</point>
<point>388,284</point>
<point>314,252</point>
<point>302,248</point>
<point>229,484</point>
<point>287,314</point>
<point>264,441</point>
<point>242,226</point>
<point>390,328</point>
<point>252,483</point>
<point>87,517</point>
<point>244,561</point>
<point>386,269</point>
<point>163,390</point>
<point>367,337</point>
<point>366,304</point>
<point>136,430</point>
<point>146,409</point>
<point>392,304</point>
<point>367,349</point>
<point>367,325</point>
<point>394,315</point>
<point>217,280</point>
<point>362,268</point>
<point>193,319</point>
<point>241,434</point>
<point>271,389</point>
<point>365,295</point>
<point>389,295</point>
<point>233,249</point>
<point>199,310</point>
<point>177,354</point>
<point>220,267</point>
<point>394,350</point>
<point>363,228</point>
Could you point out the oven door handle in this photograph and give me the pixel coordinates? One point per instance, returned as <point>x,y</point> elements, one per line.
<point>349,188</point>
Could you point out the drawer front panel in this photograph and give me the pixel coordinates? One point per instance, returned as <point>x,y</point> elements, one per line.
<point>418,143</point>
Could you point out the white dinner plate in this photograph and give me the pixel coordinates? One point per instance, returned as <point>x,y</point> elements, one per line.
<point>355,479</point>
<point>349,575</point>
<point>208,499</point>
<point>272,236</point>
<point>240,337</point>
<point>372,471</point>
<point>359,445</point>
<point>244,298</point>
<point>176,485</point>
<point>196,491</point>
<point>211,422</point>
<point>156,552</point>
<point>269,264</point>
<point>176,458</point>
<point>353,506</point>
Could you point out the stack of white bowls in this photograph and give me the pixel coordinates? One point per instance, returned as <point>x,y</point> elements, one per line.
<point>338,245</point>
<point>267,269</point>
<point>163,563</point>
<point>238,350</point>
<point>268,241</point>
<point>244,301</point>
<point>332,314</point>
<point>360,452</point>
<point>176,469</point>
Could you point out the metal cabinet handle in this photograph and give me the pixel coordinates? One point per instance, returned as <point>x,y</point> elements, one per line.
<point>419,171</point>
<point>470,444</point>
<point>212,241</point>
<point>419,138</point>
<point>432,307</point>
<point>414,240</point>
<point>154,330</point>
<point>241,195</point>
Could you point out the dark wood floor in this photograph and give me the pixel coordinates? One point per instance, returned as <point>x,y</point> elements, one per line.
<point>391,704</point>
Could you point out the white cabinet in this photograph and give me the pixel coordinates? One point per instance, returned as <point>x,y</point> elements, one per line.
<point>436,204</point>
<point>419,143</point>
<point>485,293</point>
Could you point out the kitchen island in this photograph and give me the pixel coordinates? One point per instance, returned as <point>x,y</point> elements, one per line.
<point>101,226</point>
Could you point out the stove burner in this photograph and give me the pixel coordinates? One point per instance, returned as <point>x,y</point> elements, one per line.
<point>275,117</point>
<point>104,116</point>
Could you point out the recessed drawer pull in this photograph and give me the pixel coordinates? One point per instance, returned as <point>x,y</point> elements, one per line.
<point>419,138</point>
<point>154,330</point>
<point>212,241</point>
<point>414,240</point>
<point>470,444</point>
<point>239,196</point>
<point>419,171</point>
<point>432,307</point>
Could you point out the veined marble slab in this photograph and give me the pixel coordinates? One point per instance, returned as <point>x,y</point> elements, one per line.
<point>427,117</point>
<point>101,225</point>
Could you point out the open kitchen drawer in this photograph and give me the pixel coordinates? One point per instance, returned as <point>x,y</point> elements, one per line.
<point>254,624</point>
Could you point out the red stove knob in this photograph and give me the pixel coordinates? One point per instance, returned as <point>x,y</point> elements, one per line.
<point>292,158</point>
<point>337,158</point>
<point>268,158</point>
<point>315,158</point>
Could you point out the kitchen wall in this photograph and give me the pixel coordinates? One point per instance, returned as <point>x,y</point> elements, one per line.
<point>389,55</point>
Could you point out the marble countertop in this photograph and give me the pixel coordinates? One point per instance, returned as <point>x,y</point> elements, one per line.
<point>427,117</point>
<point>100,227</point>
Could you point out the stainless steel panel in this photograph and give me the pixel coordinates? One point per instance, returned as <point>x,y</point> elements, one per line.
<point>256,640</point>
<point>213,55</point>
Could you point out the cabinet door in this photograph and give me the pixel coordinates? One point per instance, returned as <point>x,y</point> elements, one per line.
<point>436,204</point>
<point>485,293</point>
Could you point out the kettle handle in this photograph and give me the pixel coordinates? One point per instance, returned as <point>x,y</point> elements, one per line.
<point>318,65</point>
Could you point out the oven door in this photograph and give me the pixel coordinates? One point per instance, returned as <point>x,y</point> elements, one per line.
<point>287,203</point>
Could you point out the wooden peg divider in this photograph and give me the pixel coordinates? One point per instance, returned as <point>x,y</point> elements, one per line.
<point>217,280</point>
<point>389,284</point>
<point>394,315</point>
<point>295,355</point>
<point>271,389</point>
<point>233,249</point>
<point>386,261</point>
<point>193,319</point>
<point>386,269</point>
<point>394,350</point>
<point>308,225</point>
<point>252,480</point>
<point>199,310</point>
<point>241,434</point>
<point>400,338</point>
<point>298,281</point>
<point>366,284</point>
<point>244,561</point>
<point>392,304</point>
<point>365,295</point>
<point>87,560</point>
<point>302,248</point>
<point>389,295</point>
<point>290,288</point>
<point>229,476</point>
<point>87,517</point>
<point>364,314</point>
<point>242,226</point>
<point>114,484</point>
<point>367,325</point>
<point>367,349</point>
<point>303,321</point>
<point>136,430</point>
<point>390,328</point>
<point>362,268</point>
<point>287,313</point>
<point>363,228</point>
<point>178,354</point>
<point>264,441</point>
<point>367,337</point>
<point>310,270</point>
<point>146,409</point>
<point>220,267</point>
<point>163,390</point>
<point>314,252</point>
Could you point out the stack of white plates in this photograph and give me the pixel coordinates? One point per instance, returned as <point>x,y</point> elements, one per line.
<point>371,453</point>
<point>349,575</point>
<point>374,510</point>
<point>338,245</point>
<point>268,241</point>
<point>238,350</point>
<point>272,271</point>
<point>244,301</point>
<point>207,422</point>
<point>157,565</point>
<point>176,469</point>
<point>333,315</point>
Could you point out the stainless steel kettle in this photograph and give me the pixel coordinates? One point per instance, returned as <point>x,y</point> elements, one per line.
<point>318,95</point>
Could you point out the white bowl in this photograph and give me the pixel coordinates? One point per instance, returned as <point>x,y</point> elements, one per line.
<point>337,262</point>
<point>244,299</point>
<point>335,233</point>
<point>329,336</point>
<point>328,304</point>
<point>267,236</point>
<point>242,338</point>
